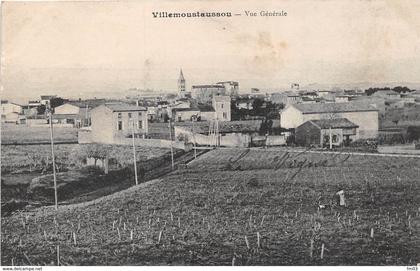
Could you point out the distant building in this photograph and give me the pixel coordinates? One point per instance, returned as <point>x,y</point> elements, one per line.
<point>363,115</point>
<point>33,104</point>
<point>318,132</point>
<point>244,104</point>
<point>255,90</point>
<point>322,93</point>
<point>181,85</point>
<point>341,98</point>
<point>205,93</point>
<point>207,112</point>
<point>231,87</point>
<point>221,105</point>
<point>111,122</point>
<point>12,113</point>
<point>9,107</point>
<point>72,114</point>
<point>294,86</point>
<point>307,100</point>
<point>46,99</point>
<point>387,94</point>
<point>285,98</point>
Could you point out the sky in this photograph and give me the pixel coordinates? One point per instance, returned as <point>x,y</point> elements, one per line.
<point>77,48</point>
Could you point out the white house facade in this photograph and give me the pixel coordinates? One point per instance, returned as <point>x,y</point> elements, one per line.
<point>363,115</point>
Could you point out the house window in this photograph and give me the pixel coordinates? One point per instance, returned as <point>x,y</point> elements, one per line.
<point>224,115</point>
<point>119,122</point>
<point>129,115</point>
<point>139,114</point>
<point>221,105</point>
<point>140,124</point>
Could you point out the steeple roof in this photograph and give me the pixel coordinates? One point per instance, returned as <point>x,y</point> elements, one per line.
<point>181,76</point>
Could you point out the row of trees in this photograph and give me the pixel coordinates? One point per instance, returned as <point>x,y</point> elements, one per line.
<point>398,89</point>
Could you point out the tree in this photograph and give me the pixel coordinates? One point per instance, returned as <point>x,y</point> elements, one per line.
<point>256,106</point>
<point>41,109</point>
<point>54,102</point>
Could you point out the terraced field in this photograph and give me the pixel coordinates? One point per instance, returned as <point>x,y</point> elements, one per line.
<point>238,207</point>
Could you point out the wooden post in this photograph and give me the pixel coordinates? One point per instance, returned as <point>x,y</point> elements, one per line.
<point>330,139</point>
<point>258,240</point>
<point>53,158</point>
<point>134,155</point>
<point>58,255</point>
<point>246,242</point>
<point>195,144</point>
<point>172,147</point>
<point>311,251</point>
<point>160,237</point>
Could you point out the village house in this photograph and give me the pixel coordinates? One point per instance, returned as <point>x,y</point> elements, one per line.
<point>319,132</point>
<point>286,98</point>
<point>185,114</point>
<point>323,92</point>
<point>341,98</point>
<point>207,112</point>
<point>9,107</point>
<point>219,109</point>
<point>363,115</point>
<point>46,99</point>
<point>231,87</point>
<point>72,114</point>
<point>113,122</point>
<point>308,100</point>
<point>221,105</point>
<point>244,103</point>
<point>12,113</point>
<point>205,93</point>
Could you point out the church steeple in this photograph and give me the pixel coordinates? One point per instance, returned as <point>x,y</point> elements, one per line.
<point>181,84</point>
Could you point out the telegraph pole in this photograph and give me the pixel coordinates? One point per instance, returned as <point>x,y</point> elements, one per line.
<point>195,150</point>
<point>134,154</point>
<point>172,147</point>
<point>330,138</point>
<point>53,157</point>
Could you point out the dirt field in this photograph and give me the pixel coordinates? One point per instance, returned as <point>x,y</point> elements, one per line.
<point>18,134</point>
<point>241,207</point>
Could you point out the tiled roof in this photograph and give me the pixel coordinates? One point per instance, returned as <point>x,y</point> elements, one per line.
<point>334,123</point>
<point>333,107</point>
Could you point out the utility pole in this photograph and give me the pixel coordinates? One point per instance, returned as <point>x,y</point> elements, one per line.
<point>172,147</point>
<point>330,139</point>
<point>195,150</point>
<point>53,156</point>
<point>134,154</point>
